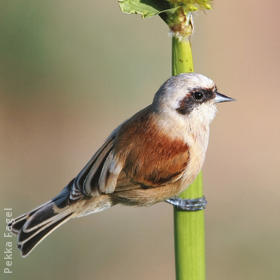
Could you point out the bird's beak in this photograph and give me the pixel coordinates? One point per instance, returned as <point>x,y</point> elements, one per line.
<point>222,98</point>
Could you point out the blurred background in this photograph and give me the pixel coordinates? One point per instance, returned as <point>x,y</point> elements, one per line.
<point>71,71</point>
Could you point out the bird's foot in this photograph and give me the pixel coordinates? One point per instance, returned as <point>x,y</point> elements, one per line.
<point>188,204</point>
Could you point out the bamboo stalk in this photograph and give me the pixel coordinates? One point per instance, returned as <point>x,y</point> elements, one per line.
<point>189,232</point>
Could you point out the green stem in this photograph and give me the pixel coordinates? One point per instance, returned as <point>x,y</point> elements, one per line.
<point>189,233</point>
<point>182,61</point>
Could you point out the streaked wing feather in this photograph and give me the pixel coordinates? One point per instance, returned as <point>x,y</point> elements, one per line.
<point>92,177</point>
<point>86,181</point>
<point>110,172</point>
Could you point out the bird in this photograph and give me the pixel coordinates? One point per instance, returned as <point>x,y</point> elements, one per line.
<point>151,157</point>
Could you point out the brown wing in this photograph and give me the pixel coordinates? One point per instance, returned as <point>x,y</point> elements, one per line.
<point>136,155</point>
<point>152,158</point>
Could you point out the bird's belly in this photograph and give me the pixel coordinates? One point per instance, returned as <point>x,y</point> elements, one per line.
<point>146,196</point>
<point>197,156</point>
<point>137,195</point>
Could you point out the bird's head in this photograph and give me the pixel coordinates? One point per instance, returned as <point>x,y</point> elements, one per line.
<point>189,95</point>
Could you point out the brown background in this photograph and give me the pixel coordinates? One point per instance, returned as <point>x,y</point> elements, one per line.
<point>71,71</point>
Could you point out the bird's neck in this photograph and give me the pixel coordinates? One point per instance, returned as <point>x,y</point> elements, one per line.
<point>192,129</point>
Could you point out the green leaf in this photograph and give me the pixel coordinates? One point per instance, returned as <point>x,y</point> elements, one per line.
<point>145,8</point>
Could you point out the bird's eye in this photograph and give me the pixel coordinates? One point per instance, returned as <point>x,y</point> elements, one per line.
<point>198,95</point>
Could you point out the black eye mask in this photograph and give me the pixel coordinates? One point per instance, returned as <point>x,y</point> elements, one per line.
<point>197,96</point>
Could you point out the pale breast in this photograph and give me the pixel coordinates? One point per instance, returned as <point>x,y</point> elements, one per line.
<point>197,153</point>
<point>196,136</point>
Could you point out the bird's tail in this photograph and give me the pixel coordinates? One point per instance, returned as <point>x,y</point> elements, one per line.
<point>32,227</point>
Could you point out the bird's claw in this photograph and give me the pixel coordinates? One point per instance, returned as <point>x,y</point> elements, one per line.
<point>195,204</point>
